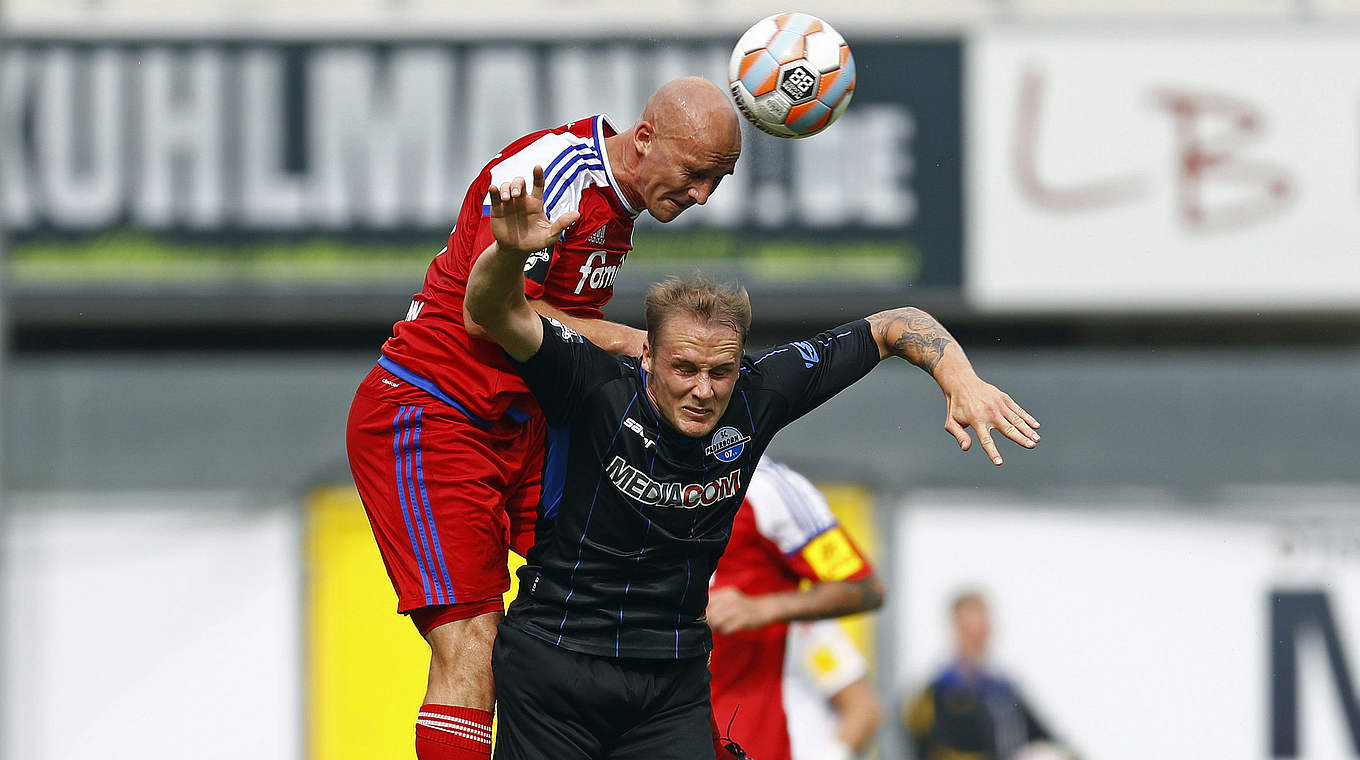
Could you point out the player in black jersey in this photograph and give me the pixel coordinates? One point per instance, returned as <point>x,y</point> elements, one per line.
<point>602,655</point>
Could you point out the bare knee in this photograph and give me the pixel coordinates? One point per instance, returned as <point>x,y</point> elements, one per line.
<point>464,639</point>
<point>460,662</point>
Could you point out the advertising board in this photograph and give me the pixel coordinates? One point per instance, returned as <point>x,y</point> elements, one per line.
<point>241,163</point>
<point>1165,169</point>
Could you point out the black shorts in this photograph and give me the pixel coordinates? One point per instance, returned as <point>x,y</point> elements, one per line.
<point>555,703</point>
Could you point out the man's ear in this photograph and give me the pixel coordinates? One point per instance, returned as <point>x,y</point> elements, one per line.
<point>646,355</point>
<point>643,134</point>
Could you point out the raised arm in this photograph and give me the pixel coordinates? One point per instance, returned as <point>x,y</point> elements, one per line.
<point>495,291</point>
<point>914,335</point>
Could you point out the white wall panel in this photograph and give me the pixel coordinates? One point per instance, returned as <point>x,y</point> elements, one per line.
<point>1140,632</point>
<point>151,625</point>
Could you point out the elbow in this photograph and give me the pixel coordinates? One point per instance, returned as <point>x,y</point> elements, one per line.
<point>480,312</point>
<point>876,593</point>
<point>873,720</point>
<point>470,323</point>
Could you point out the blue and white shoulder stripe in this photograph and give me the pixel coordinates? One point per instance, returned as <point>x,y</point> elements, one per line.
<point>789,510</point>
<point>570,164</point>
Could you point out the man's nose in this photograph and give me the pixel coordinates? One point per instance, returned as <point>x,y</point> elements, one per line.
<point>700,192</point>
<point>703,387</point>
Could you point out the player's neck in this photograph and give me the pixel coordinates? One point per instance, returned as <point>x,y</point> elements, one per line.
<point>616,153</point>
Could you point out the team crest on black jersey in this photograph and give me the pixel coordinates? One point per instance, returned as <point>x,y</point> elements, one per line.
<point>727,444</point>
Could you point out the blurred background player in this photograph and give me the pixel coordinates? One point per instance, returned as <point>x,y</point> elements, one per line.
<point>832,708</point>
<point>446,443</point>
<point>784,534</point>
<point>969,712</point>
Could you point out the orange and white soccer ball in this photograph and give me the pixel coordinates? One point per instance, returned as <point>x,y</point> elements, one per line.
<point>792,75</point>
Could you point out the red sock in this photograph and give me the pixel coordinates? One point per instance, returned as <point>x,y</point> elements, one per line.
<point>446,732</point>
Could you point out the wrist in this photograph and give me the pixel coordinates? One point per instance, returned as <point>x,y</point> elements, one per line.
<point>514,250</point>
<point>769,608</point>
<point>953,368</point>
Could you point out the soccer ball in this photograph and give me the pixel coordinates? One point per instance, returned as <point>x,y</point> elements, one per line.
<point>792,75</point>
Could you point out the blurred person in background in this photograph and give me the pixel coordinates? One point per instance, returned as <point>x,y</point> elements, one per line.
<point>969,712</point>
<point>833,710</point>
<point>445,441</point>
<point>784,537</point>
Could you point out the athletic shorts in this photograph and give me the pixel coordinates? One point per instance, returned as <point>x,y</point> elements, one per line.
<point>446,499</point>
<point>555,703</point>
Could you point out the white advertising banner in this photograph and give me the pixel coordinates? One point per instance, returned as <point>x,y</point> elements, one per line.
<point>150,625</point>
<point>1163,169</point>
<point>1147,633</point>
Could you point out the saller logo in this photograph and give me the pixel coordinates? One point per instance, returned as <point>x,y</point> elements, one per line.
<point>635,484</point>
<point>727,444</point>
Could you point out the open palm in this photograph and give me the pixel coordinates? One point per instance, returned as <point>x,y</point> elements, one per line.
<point>518,219</point>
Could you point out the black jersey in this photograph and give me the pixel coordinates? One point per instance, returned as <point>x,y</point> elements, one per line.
<point>634,515</point>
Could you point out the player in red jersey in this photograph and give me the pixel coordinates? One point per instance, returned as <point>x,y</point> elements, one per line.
<point>784,534</point>
<point>445,441</point>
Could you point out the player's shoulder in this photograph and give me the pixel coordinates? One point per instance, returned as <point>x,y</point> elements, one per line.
<point>811,351</point>
<point>788,509</point>
<point>611,366</point>
<point>614,384</point>
<point>545,148</point>
<point>561,331</point>
<point>781,483</point>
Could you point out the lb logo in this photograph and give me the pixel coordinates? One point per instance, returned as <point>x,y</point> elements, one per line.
<point>727,444</point>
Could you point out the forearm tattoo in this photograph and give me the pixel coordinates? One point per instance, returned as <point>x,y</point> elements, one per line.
<point>869,594</point>
<point>913,335</point>
<point>851,597</point>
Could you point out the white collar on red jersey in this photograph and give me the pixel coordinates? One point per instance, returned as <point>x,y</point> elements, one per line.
<point>602,121</point>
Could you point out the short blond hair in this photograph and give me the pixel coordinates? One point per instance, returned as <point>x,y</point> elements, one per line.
<point>727,304</point>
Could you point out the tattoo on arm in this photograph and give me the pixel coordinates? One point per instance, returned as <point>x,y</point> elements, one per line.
<point>850,597</point>
<point>869,594</point>
<point>913,335</point>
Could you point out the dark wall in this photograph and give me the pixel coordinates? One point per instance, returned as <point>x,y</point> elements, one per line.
<point>1185,419</point>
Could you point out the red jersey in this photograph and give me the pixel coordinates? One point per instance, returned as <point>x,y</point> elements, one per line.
<point>783,534</point>
<point>431,349</point>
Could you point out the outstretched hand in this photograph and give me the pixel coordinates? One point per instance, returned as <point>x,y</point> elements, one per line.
<point>984,407</point>
<point>518,219</point>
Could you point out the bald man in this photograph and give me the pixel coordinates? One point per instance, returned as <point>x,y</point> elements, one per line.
<point>445,441</point>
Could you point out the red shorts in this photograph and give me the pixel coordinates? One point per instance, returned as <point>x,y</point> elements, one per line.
<point>446,499</point>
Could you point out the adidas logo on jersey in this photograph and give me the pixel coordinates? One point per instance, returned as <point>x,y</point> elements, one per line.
<point>597,237</point>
